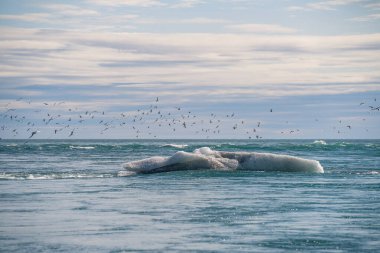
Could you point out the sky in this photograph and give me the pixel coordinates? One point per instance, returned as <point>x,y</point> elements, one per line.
<point>242,69</point>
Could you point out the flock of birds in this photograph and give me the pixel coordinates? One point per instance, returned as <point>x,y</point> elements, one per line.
<point>142,123</point>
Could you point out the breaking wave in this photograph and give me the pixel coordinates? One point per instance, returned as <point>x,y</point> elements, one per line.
<point>51,176</point>
<point>175,145</point>
<point>320,142</point>
<point>206,158</point>
<point>82,147</point>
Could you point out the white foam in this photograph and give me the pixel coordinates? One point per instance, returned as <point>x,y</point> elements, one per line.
<point>7,176</point>
<point>80,147</point>
<point>16,176</point>
<point>39,177</point>
<point>320,142</point>
<point>175,145</point>
<point>206,158</point>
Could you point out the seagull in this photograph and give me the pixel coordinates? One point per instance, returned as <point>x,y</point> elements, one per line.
<point>33,133</point>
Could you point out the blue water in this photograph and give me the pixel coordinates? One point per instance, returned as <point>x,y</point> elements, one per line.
<point>66,196</point>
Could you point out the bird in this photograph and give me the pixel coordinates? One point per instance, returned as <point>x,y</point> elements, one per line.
<point>33,133</point>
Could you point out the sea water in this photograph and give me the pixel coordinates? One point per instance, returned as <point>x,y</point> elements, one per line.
<point>68,196</point>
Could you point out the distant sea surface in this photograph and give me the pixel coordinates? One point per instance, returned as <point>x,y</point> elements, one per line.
<point>66,196</point>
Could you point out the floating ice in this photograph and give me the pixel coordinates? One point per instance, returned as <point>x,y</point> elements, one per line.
<point>206,158</point>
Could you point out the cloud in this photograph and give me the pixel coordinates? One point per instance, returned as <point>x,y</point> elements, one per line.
<point>56,12</point>
<point>186,64</point>
<point>186,4</point>
<point>148,3</point>
<point>373,6</point>
<point>193,21</point>
<point>331,4</point>
<point>70,17</point>
<point>370,17</point>
<point>29,17</point>
<point>138,3</point>
<point>324,5</point>
<point>261,28</point>
<point>201,20</point>
<point>296,8</point>
<point>69,10</point>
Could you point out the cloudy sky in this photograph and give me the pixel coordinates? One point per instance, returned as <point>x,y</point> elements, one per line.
<point>102,63</point>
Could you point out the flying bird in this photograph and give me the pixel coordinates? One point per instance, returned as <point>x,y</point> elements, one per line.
<point>33,133</point>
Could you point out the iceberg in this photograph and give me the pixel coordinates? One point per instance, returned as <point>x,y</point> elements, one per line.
<point>206,158</point>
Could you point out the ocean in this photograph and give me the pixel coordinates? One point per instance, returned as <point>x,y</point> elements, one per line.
<point>69,196</point>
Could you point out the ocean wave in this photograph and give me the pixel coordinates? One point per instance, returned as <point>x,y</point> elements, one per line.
<point>162,147</point>
<point>320,142</point>
<point>82,147</point>
<point>175,145</point>
<point>206,158</point>
<point>37,176</point>
<point>372,172</point>
<point>11,145</point>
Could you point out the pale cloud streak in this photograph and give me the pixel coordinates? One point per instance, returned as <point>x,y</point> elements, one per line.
<point>370,17</point>
<point>139,3</point>
<point>29,17</point>
<point>186,4</point>
<point>261,28</point>
<point>332,4</point>
<point>69,10</point>
<point>148,3</point>
<point>194,21</point>
<point>373,6</point>
<point>325,5</point>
